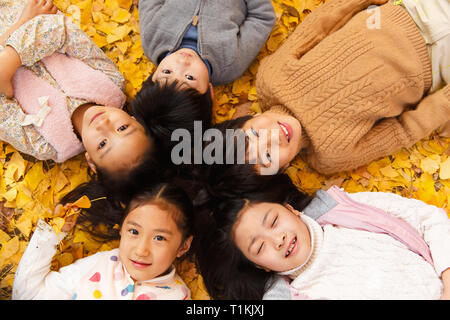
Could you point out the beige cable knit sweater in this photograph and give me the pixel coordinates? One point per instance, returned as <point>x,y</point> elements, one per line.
<point>357,92</point>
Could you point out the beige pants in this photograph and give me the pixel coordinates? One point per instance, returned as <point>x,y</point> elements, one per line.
<point>433,19</point>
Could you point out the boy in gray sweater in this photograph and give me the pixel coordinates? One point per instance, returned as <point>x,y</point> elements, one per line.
<point>202,43</point>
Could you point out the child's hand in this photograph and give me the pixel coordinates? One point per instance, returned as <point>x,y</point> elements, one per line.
<point>446,281</point>
<point>36,7</point>
<point>71,220</point>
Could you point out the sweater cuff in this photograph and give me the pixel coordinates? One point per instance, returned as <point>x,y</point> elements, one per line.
<point>46,235</point>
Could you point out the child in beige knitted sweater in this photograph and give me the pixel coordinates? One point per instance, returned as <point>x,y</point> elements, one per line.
<point>346,88</point>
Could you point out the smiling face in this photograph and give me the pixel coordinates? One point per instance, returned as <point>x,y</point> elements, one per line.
<point>272,236</point>
<point>268,130</point>
<point>150,241</point>
<point>185,66</point>
<point>112,138</point>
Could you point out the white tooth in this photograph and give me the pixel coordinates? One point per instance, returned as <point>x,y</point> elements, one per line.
<point>291,247</point>
<point>285,131</point>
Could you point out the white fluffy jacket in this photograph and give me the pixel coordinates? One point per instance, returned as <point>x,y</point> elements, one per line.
<point>354,264</point>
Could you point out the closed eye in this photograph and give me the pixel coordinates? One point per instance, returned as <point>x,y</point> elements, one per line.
<point>274,221</point>
<point>260,248</point>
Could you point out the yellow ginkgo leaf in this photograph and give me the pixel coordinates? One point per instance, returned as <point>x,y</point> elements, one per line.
<point>430,164</point>
<point>34,175</point>
<point>10,248</point>
<point>125,4</point>
<point>64,259</point>
<point>444,172</point>
<point>9,195</point>
<point>83,202</point>
<point>121,15</point>
<point>4,237</point>
<point>24,226</point>
<point>57,223</point>
<point>389,172</point>
<point>16,167</point>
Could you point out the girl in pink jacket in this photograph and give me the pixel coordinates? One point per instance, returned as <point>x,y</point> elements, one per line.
<point>61,94</point>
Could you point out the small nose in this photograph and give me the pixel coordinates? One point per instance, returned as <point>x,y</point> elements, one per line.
<point>103,122</point>
<point>142,249</point>
<point>183,60</point>
<point>279,240</point>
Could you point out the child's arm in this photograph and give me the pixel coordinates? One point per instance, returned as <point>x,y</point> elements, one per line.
<point>446,280</point>
<point>323,21</point>
<point>46,34</point>
<point>431,222</point>
<point>390,134</point>
<point>25,139</point>
<point>33,278</point>
<point>253,32</point>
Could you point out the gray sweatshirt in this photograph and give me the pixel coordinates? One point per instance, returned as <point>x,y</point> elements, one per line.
<point>230,32</point>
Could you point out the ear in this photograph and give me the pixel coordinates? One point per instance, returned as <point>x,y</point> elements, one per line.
<point>90,163</point>
<point>211,89</point>
<point>185,246</point>
<point>284,167</point>
<point>296,212</point>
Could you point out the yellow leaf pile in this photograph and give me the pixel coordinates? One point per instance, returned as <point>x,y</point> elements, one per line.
<point>30,189</point>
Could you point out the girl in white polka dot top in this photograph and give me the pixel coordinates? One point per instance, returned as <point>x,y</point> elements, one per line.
<point>155,231</point>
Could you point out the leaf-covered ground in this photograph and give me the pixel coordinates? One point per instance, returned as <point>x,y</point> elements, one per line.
<point>30,189</point>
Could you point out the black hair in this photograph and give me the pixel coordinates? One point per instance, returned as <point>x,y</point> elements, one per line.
<point>168,197</point>
<point>226,272</point>
<point>160,108</point>
<point>167,106</point>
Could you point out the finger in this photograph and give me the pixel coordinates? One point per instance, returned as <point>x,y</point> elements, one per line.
<point>48,4</point>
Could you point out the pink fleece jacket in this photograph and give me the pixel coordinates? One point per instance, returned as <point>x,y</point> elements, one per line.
<point>76,80</point>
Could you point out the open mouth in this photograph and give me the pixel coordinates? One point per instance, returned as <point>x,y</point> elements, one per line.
<point>139,265</point>
<point>96,116</point>
<point>292,248</point>
<point>185,54</point>
<point>287,130</point>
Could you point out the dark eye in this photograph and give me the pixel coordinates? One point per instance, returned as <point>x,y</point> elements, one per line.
<point>189,77</point>
<point>255,132</point>
<point>123,128</point>
<point>102,144</point>
<point>133,232</point>
<point>159,238</point>
<point>165,71</point>
<point>268,156</point>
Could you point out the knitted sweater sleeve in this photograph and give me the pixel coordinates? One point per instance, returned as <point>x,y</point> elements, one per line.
<point>432,223</point>
<point>324,20</point>
<point>390,134</point>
